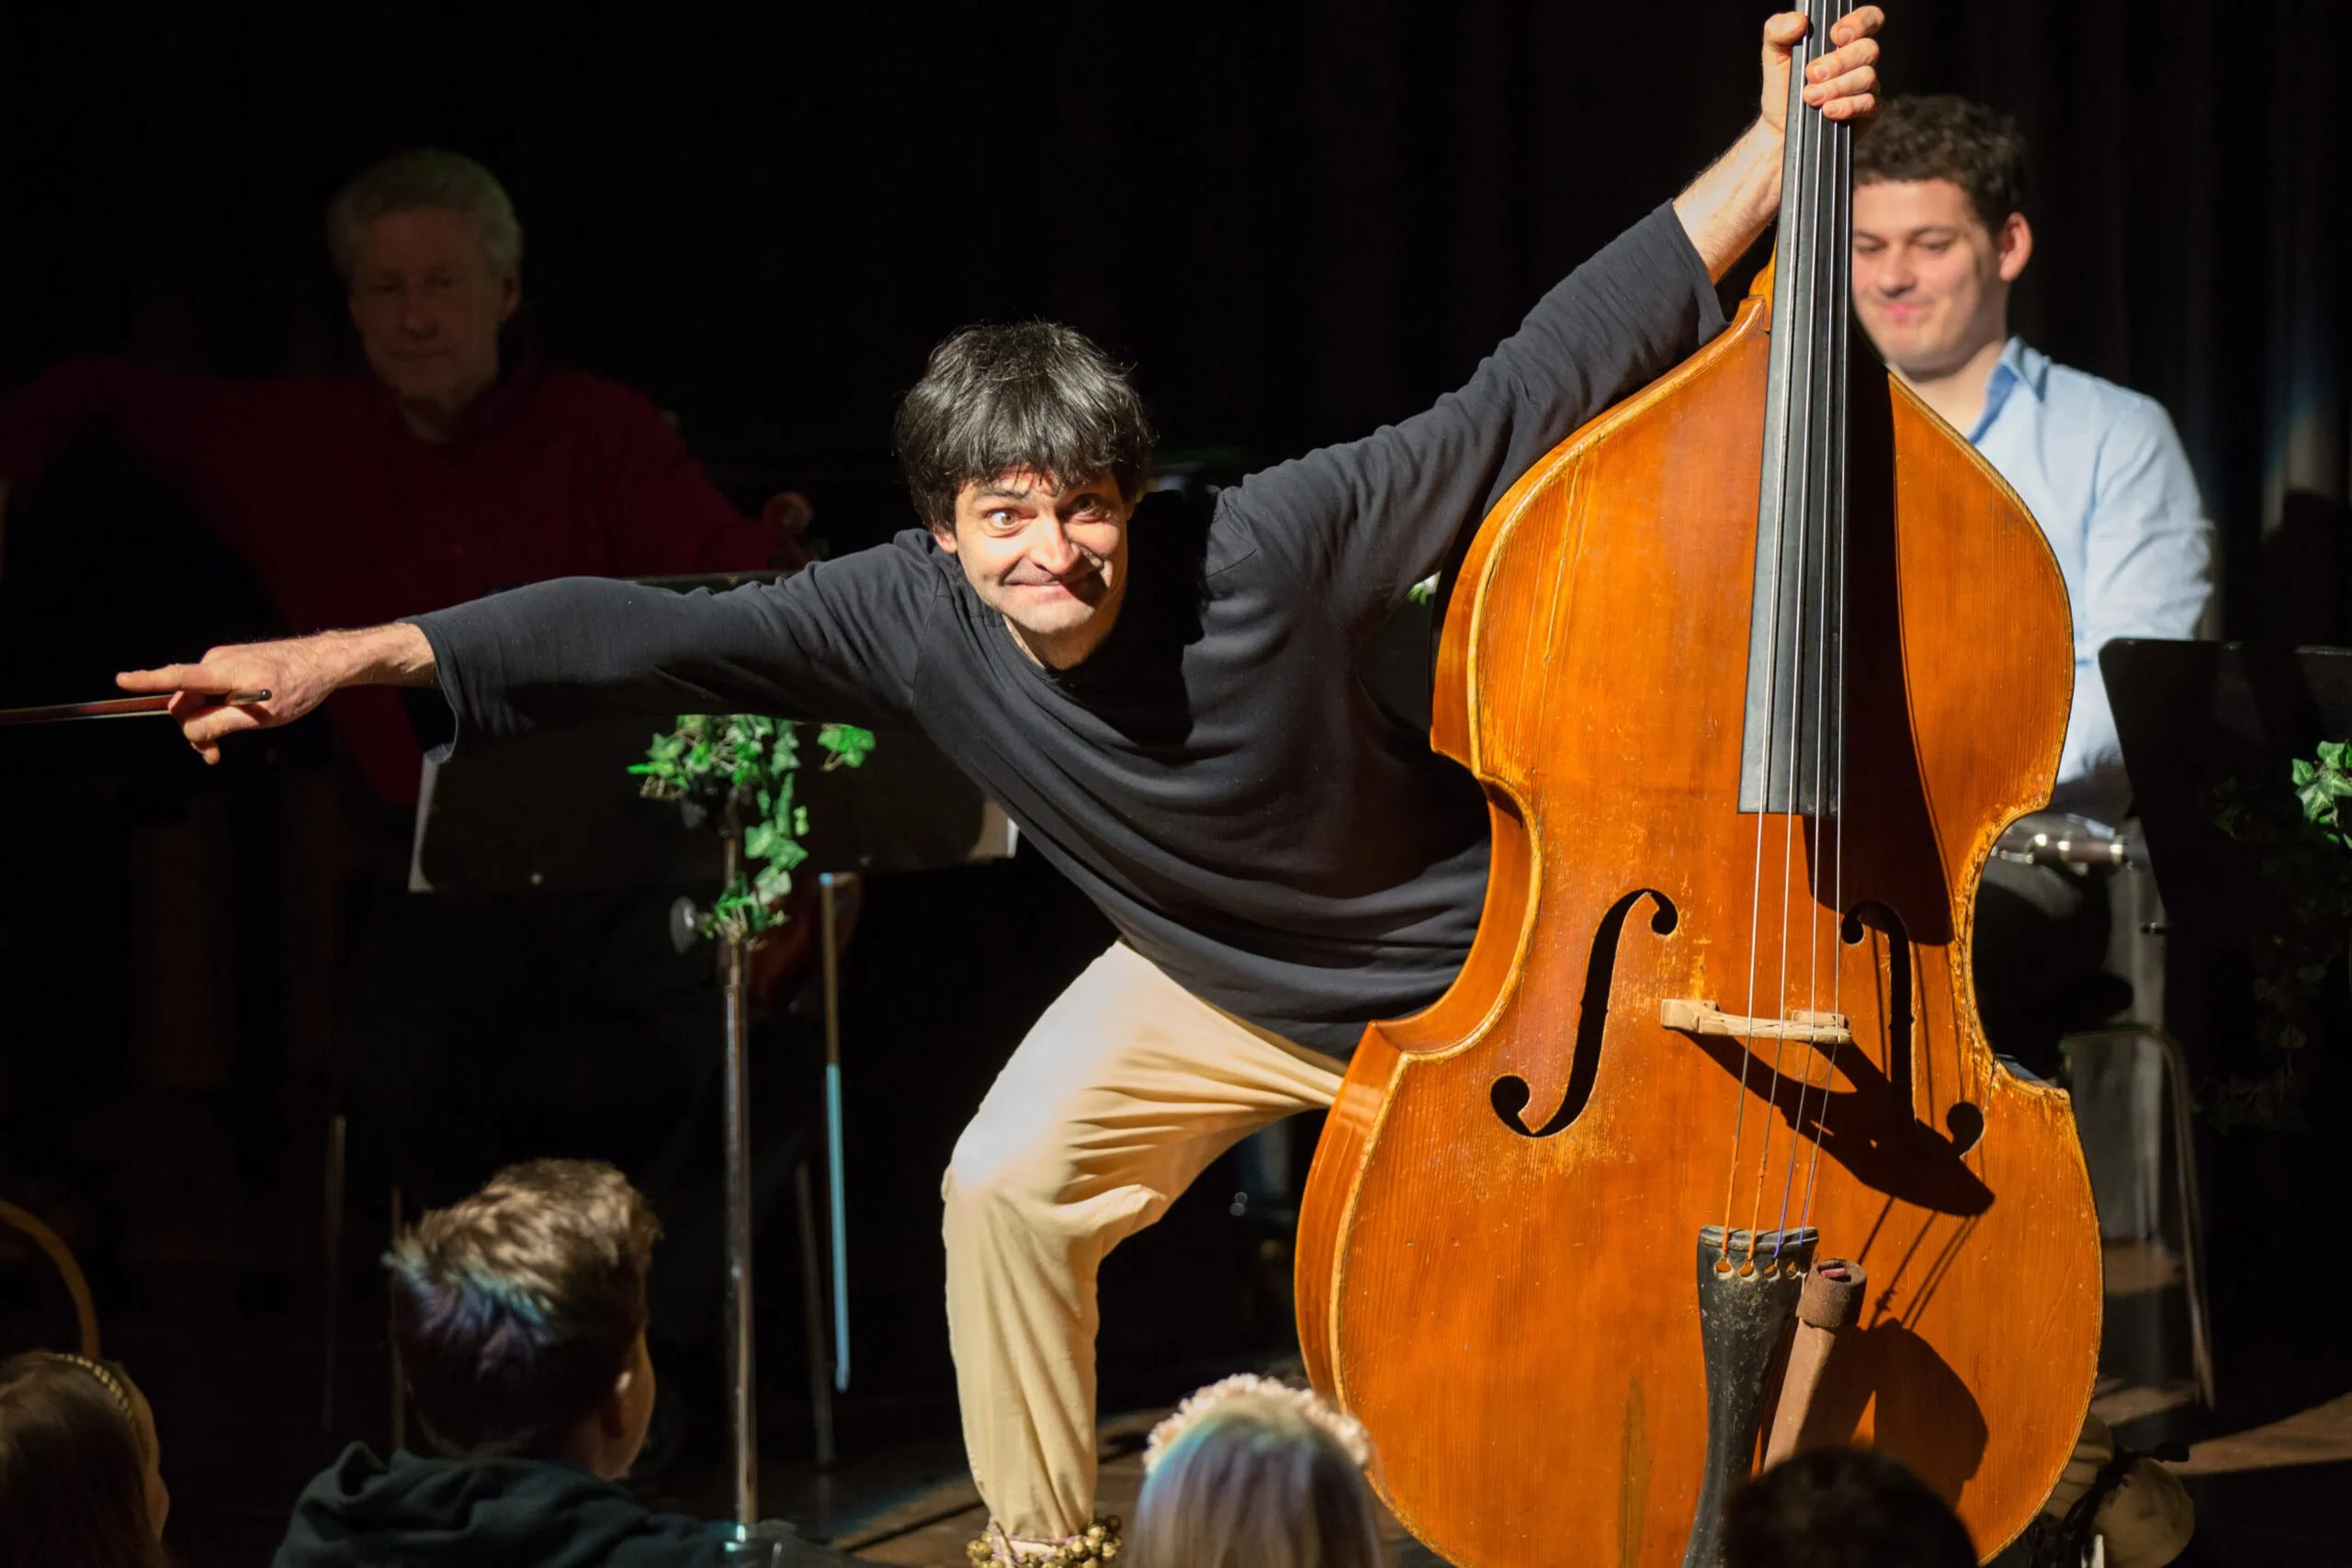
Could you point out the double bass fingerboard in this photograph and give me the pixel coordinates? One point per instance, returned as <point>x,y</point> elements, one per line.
<point>1792,739</point>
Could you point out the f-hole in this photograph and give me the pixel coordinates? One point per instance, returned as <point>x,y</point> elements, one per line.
<point>1511,1093</point>
<point>1896,976</point>
<point>1963,1123</point>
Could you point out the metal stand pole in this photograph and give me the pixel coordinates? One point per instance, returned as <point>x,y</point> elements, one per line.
<point>820,1392</point>
<point>744,1415</point>
<point>835,1181</point>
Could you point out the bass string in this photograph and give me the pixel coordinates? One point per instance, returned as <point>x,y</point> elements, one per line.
<point>1826,454</point>
<point>1843,240</point>
<point>1805,128</point>
<point>1777,434</point>
<point>1785,403</point>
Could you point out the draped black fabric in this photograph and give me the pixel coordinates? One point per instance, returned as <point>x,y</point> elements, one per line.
<point>1300,217</point>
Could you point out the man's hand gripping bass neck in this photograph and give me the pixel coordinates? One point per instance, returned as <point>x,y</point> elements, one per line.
<point>1724,209</point>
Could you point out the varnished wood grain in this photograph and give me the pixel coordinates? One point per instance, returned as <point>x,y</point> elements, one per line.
<point>1514,1317</point>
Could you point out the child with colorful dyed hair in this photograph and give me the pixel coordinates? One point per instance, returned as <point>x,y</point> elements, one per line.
<point>518,1314</point>
<point>1252,1473</point>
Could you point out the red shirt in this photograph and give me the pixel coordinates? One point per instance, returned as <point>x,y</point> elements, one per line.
<point>349,519</point>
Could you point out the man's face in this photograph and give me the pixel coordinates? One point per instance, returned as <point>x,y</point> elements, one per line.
<point>1932,283</point>
<point>428,308</point>
<point>1051,558</point>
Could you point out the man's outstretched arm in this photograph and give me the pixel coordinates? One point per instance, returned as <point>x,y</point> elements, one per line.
<point>839,641</point>
<point>299,674</point>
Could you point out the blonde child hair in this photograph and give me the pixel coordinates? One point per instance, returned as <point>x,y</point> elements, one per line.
<point>1251,1473</point>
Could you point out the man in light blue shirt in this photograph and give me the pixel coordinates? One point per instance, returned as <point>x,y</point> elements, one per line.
<point>2100,469</point>
<point>1939,236</point>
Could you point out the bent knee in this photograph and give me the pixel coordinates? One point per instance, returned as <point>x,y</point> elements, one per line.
<point>1000,1173</point>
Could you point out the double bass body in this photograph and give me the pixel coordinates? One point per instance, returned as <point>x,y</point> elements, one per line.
<point>1496,1263</point>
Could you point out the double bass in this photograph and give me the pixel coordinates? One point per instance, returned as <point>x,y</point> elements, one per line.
<point>1754,669</point>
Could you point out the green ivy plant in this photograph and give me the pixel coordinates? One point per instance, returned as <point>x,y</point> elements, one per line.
<point>740,769</point>
<point>2321,784</point>
<point>2303,856</point>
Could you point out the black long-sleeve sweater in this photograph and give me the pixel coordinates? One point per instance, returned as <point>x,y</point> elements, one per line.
<point>1214,776</point>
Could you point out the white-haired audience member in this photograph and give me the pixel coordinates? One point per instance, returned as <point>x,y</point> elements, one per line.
<point>81,1484</point>
<point>1251,1473</point>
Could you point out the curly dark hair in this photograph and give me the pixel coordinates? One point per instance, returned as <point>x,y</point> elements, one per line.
<point>1034,395</point>
<point>1941,136</point>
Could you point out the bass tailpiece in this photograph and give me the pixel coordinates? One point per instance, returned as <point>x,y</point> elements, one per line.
<point>1749,1283</point>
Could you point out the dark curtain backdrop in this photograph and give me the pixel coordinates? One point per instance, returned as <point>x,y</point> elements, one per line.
<point>1299,217</point>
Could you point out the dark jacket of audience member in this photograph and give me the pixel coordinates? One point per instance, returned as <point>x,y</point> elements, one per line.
<point>74,1485</point>
<point>1843,1508</point>
<point>482,1513</point>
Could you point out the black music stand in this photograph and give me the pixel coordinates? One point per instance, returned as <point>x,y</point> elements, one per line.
<point>558,811</point>
<point>2193,717</point>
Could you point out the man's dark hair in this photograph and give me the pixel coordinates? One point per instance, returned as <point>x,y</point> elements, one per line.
<point>1035,395</point>
<point>515,1309</point>
<point>1842,1508</point>
<point>1941,136</point>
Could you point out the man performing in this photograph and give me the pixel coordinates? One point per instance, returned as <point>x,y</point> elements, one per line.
<point>1939,238</point>
<point>1163,694</point>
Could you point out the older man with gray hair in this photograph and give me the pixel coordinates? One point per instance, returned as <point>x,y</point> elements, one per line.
<point>441,475</point>
<point>431,258</point>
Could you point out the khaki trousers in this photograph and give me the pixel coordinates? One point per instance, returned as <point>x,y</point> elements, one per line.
<point>1123,1092</point>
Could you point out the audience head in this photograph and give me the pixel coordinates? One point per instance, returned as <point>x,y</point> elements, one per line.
<point>431,259</point>
<point>80,1486</point>
<point>519,1317</point>
<point>1940,230</point>
<point>1249,1473</point>
<point>1843,1508</point>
